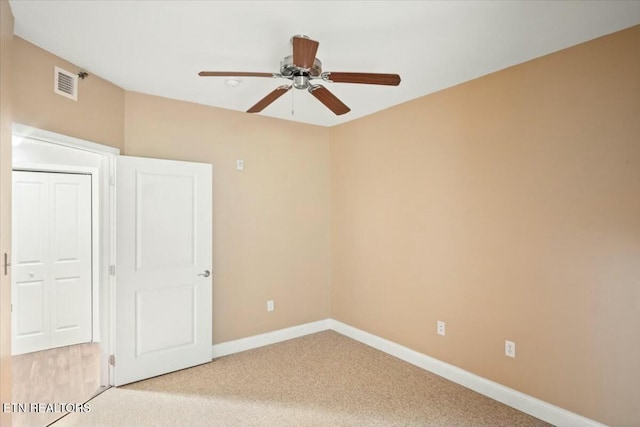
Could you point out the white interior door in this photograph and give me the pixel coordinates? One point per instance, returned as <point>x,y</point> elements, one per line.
<point>51,295</point>
<point>163,248</point>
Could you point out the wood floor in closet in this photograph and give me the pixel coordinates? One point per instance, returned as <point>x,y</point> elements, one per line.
<point>61,375</point>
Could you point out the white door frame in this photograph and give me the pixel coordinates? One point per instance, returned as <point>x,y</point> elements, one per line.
<point>103,224</point>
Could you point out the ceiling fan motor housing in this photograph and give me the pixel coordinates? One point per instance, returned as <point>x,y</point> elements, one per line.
<point>287,68</point>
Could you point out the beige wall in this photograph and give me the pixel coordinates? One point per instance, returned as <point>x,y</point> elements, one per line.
<point>509,207</point>
<point>6,44</point>
<point>97,115</point>
<point>271,221</point>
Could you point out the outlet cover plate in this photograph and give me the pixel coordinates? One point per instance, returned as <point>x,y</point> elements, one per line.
<point>441,328</point>
<point>510,348</point>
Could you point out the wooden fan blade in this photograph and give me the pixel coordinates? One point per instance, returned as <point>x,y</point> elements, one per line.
<point>304,52</point>
<point>330,101</point>
<point>233,74</point>
<point>264,102</point>
<point>364,78</point>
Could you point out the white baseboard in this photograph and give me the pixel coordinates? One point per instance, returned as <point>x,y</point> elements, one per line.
<point>520,401</point>
<point>267,338</point>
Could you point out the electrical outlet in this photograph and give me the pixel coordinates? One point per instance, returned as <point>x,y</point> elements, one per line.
<point>270,305</point>
<point>240,165</point>
<point>510,348</point>
<point>440,327</point>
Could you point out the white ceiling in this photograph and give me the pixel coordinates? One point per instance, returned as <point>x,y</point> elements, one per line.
<point>158,47</point>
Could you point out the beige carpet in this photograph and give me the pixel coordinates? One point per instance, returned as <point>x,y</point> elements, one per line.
<point>323,379</point>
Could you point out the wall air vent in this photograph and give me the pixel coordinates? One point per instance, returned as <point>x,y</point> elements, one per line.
<point>65,83</point>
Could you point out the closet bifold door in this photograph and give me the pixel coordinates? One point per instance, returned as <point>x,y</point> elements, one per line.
<point>51,283</point>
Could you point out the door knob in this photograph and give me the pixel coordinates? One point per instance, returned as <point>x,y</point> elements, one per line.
<point>206,273</point>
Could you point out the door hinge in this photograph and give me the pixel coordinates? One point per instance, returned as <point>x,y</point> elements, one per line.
<point>112,270</point>
<point>112,360</point>
<point>6,264</point>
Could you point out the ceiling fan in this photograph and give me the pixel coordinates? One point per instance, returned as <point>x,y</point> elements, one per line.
<point>301,68</point>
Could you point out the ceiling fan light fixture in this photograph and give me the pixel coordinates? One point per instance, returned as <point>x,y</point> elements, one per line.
<point>301,80</point>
